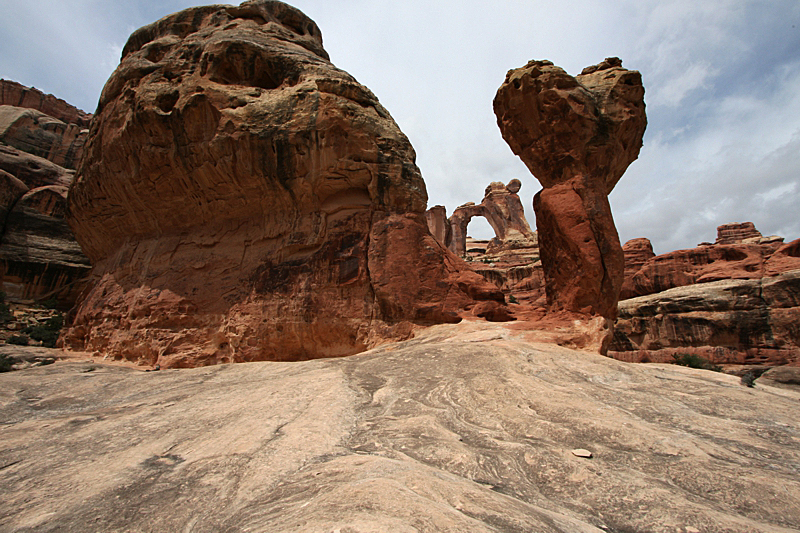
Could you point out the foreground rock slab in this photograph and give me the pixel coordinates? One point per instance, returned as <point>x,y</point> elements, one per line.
<point>466,428</point>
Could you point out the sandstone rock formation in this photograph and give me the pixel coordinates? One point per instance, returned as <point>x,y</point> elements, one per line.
<point>744,321</point>
<point>243,199</point>
<point>466,428</point>
<point>39,258</point>
<point>438,224</point>
<point>751,259</point>
<point>17,95</point>
<point>577,135</point>
<point>503,210</point>
<point>636,253</point>
<point>42,135</point>
<point>737,233</point>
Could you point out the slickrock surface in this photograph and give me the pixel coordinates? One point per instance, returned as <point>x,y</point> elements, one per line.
<point>466,428</point>
<point>577,135</point>
<point>243,199</point>
<point>503,210</point>
<point>752,321</point>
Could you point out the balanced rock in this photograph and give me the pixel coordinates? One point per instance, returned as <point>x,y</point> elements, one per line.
<point>242,199</point>
<point>577,135</point>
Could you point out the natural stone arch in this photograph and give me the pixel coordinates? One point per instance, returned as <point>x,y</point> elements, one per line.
<point>502,209</point>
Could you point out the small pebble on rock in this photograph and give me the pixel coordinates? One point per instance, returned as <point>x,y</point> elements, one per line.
<point>580,452</point>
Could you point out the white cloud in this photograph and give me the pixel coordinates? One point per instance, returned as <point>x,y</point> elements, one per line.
<point>721,79</point>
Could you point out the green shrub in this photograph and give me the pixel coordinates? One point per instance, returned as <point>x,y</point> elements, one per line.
<point>48,332</point>
<point>512,299</point>
<point>18,340</point>
<point>695,361</point>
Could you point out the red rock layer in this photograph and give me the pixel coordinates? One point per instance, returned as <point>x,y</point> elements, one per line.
<point>710,263</point>
<point>734,321</point>
<point>736,233</point>
<point>17,95</point>
<point>242,199</point>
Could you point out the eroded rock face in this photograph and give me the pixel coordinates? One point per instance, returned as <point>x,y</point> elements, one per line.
<point>751,321</point>
<point>710,263</point>
<point>17,95</point>
<point>577,135</point>
<point>259,204</point>
<point>39,134</point>
<point>737,233</point>
<point>39,256</point>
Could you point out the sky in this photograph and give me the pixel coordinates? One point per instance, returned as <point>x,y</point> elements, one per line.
<point>722,81</point>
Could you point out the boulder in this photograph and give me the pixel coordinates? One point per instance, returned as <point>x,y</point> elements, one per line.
<point>749,321</point>
<point>243,199</point>
<point>577,135</point>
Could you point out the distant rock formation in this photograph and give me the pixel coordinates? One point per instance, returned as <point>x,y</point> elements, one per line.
<point>40,257</point>
<point>42,135</point>
<point>739,321</point>
<point>41,139</point>
<point>577,135</point>
<point>733,303</point>
<point>502,208</point>
<point>243,199</point>
<point>736,233</point>
<point>636,253</point>
<point>744,256</point>
<point>17,95</point>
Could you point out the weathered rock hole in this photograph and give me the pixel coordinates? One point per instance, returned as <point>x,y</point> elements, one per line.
<point>166,102</point>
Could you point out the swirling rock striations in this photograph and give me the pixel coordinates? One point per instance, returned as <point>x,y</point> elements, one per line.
<point>577,135</point>
<point>243,199</point>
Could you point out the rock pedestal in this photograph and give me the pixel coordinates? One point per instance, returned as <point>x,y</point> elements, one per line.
<point>577,135</point>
